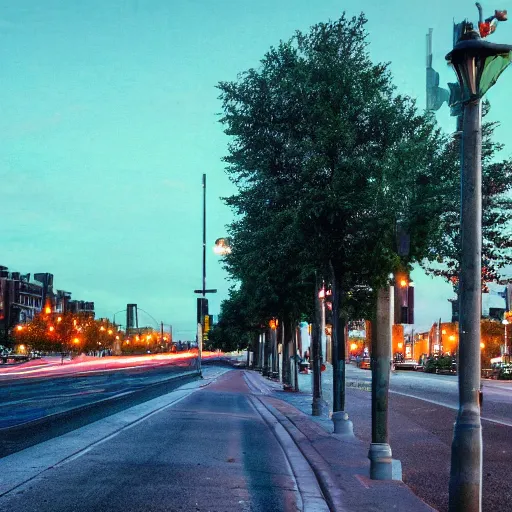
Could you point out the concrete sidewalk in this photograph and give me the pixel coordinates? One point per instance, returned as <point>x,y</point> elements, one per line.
<point>340,464</point>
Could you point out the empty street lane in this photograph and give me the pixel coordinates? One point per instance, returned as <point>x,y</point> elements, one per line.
<point>209,450</point>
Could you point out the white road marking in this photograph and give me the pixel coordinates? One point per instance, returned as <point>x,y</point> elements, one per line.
<point>450,406</point>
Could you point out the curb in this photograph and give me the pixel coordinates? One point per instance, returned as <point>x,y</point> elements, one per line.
<point>320,468</point>
<point>313,449</point>
<point>313,499</point>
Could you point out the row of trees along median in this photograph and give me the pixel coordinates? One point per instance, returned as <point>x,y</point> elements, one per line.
<point>329,160</point>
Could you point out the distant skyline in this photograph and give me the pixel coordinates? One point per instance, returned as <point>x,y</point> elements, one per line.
<point>110,118</point>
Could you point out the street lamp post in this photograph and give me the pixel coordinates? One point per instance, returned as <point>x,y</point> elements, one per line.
<point>380,455</point>
<point>114,319</point>
<point>505,348</point>
<point>202,302</point>
<point>477,65</point>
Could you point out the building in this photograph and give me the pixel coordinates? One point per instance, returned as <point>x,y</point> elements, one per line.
<point>81,307</point>
<point>61,301</point>
<point>22,298</point>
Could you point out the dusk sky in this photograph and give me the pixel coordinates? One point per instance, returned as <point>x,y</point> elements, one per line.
<point>109,118</point>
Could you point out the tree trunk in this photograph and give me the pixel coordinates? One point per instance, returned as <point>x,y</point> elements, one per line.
<point>295,359</point>
<point>286,356</point>
<point>289,349</point>
<point>275,355</point>
<point>338,346</point>
<point>266,353</point>
<point>316,356</point>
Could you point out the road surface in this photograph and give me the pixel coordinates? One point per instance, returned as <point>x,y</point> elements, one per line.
<point>32,391</point>
<point>422,412</point>
<point>206,449</point>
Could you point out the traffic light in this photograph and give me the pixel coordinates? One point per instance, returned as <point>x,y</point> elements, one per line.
<point>202,309</point>
<point>455,99</point>
<point>404,299</point>
<point>436,95</point>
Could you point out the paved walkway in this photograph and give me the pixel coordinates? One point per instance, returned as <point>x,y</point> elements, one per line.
<point>341,464</point>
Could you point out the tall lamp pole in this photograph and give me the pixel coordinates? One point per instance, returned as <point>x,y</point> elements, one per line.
<point>477,64</point>
<point>202,303</point>
<point>505,322</point>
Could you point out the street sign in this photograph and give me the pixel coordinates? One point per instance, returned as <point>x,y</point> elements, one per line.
<point>213,290</point>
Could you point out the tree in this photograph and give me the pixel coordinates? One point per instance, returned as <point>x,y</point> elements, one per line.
<point>493,337</point>
<point>35,335</point>
<point>444,258</point>
<point>325,153</point>
<point>236,328</point>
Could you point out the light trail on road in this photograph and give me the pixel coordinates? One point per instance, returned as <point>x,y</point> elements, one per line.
<point>87,364</point>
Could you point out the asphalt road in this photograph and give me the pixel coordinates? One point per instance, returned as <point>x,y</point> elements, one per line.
<point>27,399</point>
<point>422,411</point>
<point>210,450</point>
<point>37,405</point>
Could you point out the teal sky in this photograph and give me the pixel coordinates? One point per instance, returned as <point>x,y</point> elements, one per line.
<point>109,118</point>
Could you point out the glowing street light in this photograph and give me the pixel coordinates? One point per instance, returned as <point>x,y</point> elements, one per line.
<point>222,246</point>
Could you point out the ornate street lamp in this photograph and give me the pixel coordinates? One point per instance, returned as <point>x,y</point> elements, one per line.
<point>478,64</point>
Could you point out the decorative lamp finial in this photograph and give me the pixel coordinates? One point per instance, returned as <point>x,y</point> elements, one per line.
<point>488,26</point>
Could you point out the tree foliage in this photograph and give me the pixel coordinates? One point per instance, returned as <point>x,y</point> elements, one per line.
<point>330,162</point>
<point>58,332</point>
<point>444,259</point>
